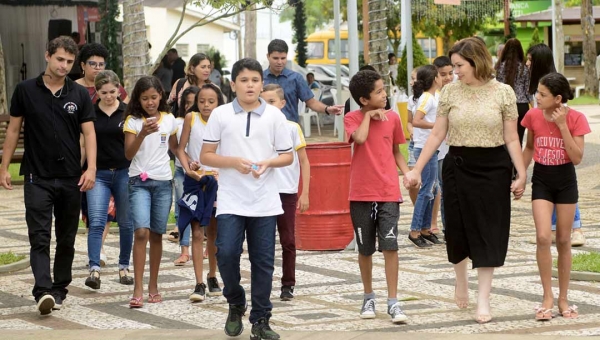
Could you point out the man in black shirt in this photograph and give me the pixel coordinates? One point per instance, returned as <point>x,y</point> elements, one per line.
<point>56,110</point>
<point>177,65</point>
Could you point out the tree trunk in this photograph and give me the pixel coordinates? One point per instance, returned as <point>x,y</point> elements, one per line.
<point>589,48</point>
<point>559,37</point>
<point>3,104</point>
<point>250,32</point>
<point>135,43</point>
<point>378,40</point>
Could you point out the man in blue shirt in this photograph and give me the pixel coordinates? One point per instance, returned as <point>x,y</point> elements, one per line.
<point>293,84</point>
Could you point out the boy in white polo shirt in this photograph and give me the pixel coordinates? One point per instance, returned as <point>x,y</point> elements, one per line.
<point>252,138</point>
<point>288,179</point>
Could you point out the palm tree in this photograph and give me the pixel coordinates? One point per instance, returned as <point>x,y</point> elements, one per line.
<point>136,61</point>
<point>589,48</point>
<point>560,37</point>
<point>378,40</point>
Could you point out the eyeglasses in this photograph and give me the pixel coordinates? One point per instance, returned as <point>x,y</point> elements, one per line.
<point>96,64</point>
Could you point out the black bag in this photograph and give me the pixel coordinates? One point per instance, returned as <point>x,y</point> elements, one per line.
<point>175,105</point>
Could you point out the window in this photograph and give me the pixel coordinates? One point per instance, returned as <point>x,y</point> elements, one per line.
<point>343,49</point>
<point>202,48</point>
<point>315,50</point>
<point>182,49</point>
<point>429,47</point>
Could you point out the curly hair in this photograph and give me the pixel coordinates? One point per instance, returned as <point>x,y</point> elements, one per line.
<point>134,108</point>
<point>220,100</point>
<point>512,58</point>
<point>64,42</point>
<point>362,84</point>
<point>92,50</point>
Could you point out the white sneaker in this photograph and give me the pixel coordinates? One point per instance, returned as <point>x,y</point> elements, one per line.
<point>45,304</point>
<point>396,313</point>
<point>577,239</point>
<point>368,309</point>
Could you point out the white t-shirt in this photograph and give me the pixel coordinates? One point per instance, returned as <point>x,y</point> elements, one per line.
<point>179,122</point>
<point>256,136</point>
<point>288,177</point>
<point>427,104</point>
<point>152,156</point>
<point>196,139</point>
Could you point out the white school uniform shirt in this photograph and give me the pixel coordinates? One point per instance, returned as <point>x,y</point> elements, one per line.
<point>427,104</point>
<point>257,135</point>
<point>195,141</point>
<point>179,122</point>
<point>288,177</point>
<point>152,156</point>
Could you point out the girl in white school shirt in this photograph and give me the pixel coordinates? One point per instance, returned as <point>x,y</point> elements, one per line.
<point>149,133</point>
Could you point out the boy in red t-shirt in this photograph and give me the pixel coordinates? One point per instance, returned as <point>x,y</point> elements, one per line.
<point>375,195</point>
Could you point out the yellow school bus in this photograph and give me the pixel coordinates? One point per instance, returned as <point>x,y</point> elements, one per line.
<point>321,47</point>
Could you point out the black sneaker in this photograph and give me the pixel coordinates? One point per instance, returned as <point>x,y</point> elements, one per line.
<point>234,325</point>
<point>287,293</point>
<point>262,331</point>
<point>213,286</point>
<point>419,242</point>
<point>45,304</point>
<point>432,238</point>
<point>93,281</point>
<point>199,293</point>
<point>58,301</point>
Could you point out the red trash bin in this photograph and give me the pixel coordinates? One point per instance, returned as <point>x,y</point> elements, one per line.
<point>326,225</point>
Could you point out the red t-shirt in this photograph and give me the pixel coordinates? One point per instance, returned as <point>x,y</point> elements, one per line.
<point>548,144</point>
<point>94,95</point>
<point>373,171</point>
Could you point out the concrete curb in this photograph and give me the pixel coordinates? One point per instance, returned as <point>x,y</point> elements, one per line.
<point>580,276</point>
<point>15,266</point>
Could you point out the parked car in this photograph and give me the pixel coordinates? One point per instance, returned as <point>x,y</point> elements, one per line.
<point>330,70</point>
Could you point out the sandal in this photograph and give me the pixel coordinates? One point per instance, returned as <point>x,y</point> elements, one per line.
<point>136,302</point>
<point>173,236</point>
<point>182,260</point>
<point>542,314</point>
<point>570,313</point>
<point>154,298</point>
<point>124,277</point>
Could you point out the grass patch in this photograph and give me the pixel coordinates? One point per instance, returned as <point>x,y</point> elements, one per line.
<point>10,257</point>
<point>584,100</point>
<point>404,150</point>
<point>585,262</point>
<point>13,170</point>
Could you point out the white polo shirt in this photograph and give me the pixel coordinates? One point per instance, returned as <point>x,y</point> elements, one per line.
<point>256,136</point>
<point>427,104</point>
<point>152,156</point>
<point>288,177</point>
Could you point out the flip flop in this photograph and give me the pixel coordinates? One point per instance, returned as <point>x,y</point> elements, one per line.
<point>136,302</point>
<point>542,314</point>
<point>570,313</point>
<point>182,260</point>
<point>154,298</point>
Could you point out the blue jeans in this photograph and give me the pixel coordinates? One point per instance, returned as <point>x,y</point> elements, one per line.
<point>109,182</point>
<point>260,232</point>
<point>576,220</point>
<point>184,239</point>
<point>150,203</point>
<point>424,205</point>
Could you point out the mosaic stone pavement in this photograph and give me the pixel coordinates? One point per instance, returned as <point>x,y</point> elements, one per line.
<point>329,290</point>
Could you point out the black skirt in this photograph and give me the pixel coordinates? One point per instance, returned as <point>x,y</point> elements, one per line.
<point>476,190</point>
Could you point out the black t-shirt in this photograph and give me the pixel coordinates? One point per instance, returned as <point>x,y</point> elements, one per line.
<point>52,126</point>
<point>178,68</point>
<point>110,139</point>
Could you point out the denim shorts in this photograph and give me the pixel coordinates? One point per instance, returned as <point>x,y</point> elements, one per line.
<point>150,203</point>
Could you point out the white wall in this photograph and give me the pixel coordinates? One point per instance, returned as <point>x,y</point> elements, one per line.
<point>264,35</point>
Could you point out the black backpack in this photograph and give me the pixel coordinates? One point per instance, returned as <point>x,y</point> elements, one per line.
<point>175,105</point>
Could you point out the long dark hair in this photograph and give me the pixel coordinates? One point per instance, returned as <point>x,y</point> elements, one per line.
<point>542,63</point>
<point>189,90</point>
<point>195,61</point>
<point>512,59</point>
<point>220,100</point>
<point>557,84</point>
<point>134,108</point>
<point>425,78</point>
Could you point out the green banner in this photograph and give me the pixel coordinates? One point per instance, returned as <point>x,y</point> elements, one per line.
<point>520,8</point>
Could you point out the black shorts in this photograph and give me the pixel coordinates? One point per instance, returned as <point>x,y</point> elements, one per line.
<point>554,183</point>
<point>372,220</point>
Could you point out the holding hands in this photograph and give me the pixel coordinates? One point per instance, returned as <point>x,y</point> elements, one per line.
<point>517,187</point>
<point>412,179</point>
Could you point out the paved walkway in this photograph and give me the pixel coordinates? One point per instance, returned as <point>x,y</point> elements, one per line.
<point>328,294</point>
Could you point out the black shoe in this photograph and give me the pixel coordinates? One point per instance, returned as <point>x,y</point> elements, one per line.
<point>93,281</point>
<point>234,325</point>
<point>213,286</point>
<point>262,331</point>
<point>287,293</point>
<point>199,293</point>
<point>45,304</point>
<point>58,301</point>
<point>432,238</point>
<point>419,242</point>
<point>124,277</point>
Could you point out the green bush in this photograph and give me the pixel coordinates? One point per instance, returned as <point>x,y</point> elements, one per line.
<point>10,257</point>
<point>419,59</point>
<point>535,38</point>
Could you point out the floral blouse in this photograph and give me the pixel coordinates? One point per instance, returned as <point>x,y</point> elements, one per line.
<point>521,85</point>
